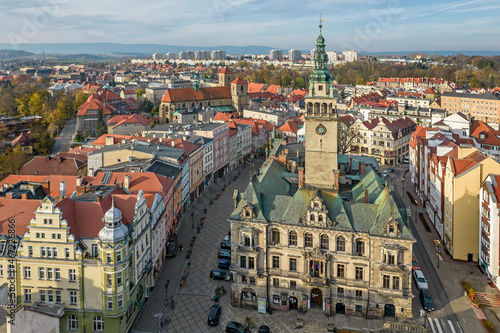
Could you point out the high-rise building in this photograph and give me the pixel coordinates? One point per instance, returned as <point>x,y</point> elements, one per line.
<point>275,54</point>
<point>333,56</point>
<point>199,55</point>
<point>186,55</point>
<point>157,56</point>
<point>171,56</point>
<point>218,54</point>
<point>294,55</point>
<point>350,55</point>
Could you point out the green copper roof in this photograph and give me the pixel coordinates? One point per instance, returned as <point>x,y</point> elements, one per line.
<point>320,72</point>
<point>224,108</point>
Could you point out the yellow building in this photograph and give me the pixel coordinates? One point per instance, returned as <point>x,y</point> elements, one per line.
<point>73,263</point>
<point>463,178</point>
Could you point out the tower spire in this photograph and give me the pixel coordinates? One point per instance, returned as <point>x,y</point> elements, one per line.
<point>320,21</point>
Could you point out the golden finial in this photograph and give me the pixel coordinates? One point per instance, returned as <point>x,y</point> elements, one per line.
<point>320,21</point>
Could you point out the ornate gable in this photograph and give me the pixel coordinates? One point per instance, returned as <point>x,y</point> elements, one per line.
<point>391,228</point>
<point>247,213</point>
<point>317,213</point>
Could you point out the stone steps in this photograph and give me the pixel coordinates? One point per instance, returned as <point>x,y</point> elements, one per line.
<point>487,299</point>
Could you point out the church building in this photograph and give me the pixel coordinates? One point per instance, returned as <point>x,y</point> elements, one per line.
<point>320,235</point>
<point>230,96</point>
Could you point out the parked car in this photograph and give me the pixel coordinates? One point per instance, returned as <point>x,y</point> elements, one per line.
<point>235,327</point>
<point>214,315</point>
<point>264,329</point>
<point>390,170</point>
<point>384,173</point>
<point>420,280</point>
<point>220,274</point>
<point>406,160</point>
<point>426,299</point>
<point>225,254</point>
<point>414,263</point>
<point>225,244</point>
<point>227,238</point>
<point>224,264</point>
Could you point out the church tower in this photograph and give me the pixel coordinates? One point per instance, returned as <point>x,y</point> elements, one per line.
<point>226,76</point>
<point>239,95</point>
<point>321,124</point>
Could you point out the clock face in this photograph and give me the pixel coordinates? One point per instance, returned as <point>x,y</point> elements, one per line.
<point>321,130</point>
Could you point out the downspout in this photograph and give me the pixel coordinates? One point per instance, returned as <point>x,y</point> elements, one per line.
<point>267,270</point>
<point>83,293</point>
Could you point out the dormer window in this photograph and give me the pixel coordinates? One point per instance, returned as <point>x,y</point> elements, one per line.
<point>482,135</point>
<point>391,228</point>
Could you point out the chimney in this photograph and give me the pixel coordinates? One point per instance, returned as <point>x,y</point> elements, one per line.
<point>80,190</point>
<point>60,160</point>
<point>62,189</point>
<point>298,153</point>
<point>286,151</point>
<point>79,180</point>
<point>283,142</point>
<point>301,177</point>
<point>366,196</point>
<point>119,184</point>
<point>46,186</point>
<point>47,158</point>
<point>110,140</point>
<point>126,182</point>
<point>362,168</point>
<point>336,174</point>
<point>172,143</point>
<point>24,196</point>
<point>9,195</point>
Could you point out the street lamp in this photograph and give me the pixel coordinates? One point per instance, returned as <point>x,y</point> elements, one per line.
<point>192,220</point>
<point>403,187</point>
<point>166,292</point>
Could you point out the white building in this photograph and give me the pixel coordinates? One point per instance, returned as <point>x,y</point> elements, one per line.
<point>199,55</point>
<point>186,55</point>
<point>333,56</point>
<point>218,54</point>
<point>275,54</point>
<point>294,55</point>
<point>350,55</point>
<point>171,56</point>
<point>489,239</point>
<point>157,56</point>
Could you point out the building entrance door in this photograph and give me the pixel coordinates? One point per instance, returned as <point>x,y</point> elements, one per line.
<point>340,308</point>
<point>389,311</point>
<point>293,303</point>
<point>316,297</point>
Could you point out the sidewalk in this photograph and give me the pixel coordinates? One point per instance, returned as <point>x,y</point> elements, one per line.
<point>174,267</point>
<point>450,272</point>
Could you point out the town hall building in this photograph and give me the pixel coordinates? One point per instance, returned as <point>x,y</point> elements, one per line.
<point>326,236</point>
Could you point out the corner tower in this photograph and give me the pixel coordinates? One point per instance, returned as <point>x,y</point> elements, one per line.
<point>321,124</point>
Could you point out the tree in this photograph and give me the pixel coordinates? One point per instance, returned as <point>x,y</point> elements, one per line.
<point>346,136</point>
<point>101,126</point>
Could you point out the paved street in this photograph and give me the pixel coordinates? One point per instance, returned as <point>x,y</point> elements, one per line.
<point>65,137</point>
<point>444,283</point>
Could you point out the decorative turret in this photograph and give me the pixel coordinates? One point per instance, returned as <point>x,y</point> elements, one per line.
<point>196,83</point>
<point>113,231</point>
<point>320,73</point>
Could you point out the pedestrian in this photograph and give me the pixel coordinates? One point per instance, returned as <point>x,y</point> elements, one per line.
<point>182,248</point>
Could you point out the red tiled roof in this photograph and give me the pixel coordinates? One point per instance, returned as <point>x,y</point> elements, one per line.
<point>128,119</point>
<point>101,141</point>
<point>273,88</point>
<point>149,182</point>
<point>226,70</point>
<point>479,127</point>
<point>291,126</point>
<point>459,166</point>
<point>54,182</point>
<point>22,210</point>
<point>224,116</point>
<point>82,150</point>
<point>44,165</point>
<point>94,104</point>
<point>189,94</point>
<point>255,87</point>
<point>239,81</point>
<point>23,140</point>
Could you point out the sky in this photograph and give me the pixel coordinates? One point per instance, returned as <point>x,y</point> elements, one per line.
<point>364,25</point>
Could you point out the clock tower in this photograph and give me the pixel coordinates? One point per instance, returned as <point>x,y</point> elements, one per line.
<point>321,124</point>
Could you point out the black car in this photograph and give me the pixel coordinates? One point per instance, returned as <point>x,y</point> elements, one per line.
<point>225,244</point>
<point>219,274</point>
<point>426,299</point>
<point>214,315</point>
<point>264,329</point>
<point>225,254</point>
<point>224,264</point>
<point>235,327</point>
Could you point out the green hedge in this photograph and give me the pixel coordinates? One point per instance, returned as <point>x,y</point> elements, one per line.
<point>424,222</point>
<point>411,198</point>
<point>489,326</point>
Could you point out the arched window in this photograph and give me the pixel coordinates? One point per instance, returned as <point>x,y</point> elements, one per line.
<point>292,238</point>
<point>247,240</point>
<point>72,323</point>
<point>320,218</point>
<point>241,88</point>
<point>312,217</point>
<point>391,229</point>
<point>341,244</point>
<point>98,324</point>
<point>325,242</point>
<point>308,240</point>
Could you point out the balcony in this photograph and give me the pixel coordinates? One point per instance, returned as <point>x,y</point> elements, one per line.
<point>316,280</point>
